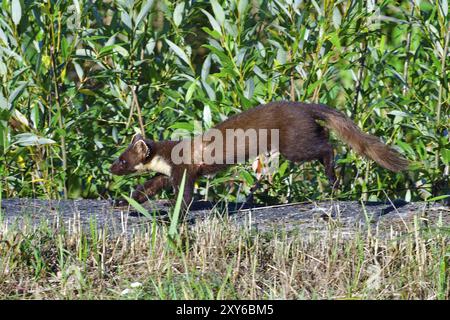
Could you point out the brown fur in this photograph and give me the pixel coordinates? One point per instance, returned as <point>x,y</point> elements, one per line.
<point>301,138</point>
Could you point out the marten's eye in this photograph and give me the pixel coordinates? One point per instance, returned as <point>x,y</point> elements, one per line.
<point>123,162</point>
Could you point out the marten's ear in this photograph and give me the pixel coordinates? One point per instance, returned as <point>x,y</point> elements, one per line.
<point>141,147</point>
<point>136,138</point>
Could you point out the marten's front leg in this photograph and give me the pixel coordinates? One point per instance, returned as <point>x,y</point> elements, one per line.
<point>150,188</point>
<point>146,190</point>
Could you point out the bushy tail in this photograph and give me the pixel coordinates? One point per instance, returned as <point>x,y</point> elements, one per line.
<point>363,143</point>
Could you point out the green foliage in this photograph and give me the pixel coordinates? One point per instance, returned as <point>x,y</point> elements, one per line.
<point>80,77</point>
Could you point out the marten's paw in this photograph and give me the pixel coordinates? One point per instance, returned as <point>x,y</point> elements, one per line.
<point>120,202</point>
<point>139,194</point>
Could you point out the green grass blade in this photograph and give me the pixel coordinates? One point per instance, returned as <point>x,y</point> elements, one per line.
<point>139,208</point>
<point>176,211</point>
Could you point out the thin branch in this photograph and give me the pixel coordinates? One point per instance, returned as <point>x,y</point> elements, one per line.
<point>359,78</point>
<point>59,110</point>
<point>292,93</point>
<point>441,90</point>
<point>408,48</point>
<point>138,109</point>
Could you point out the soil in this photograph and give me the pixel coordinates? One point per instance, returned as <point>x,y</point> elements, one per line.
<point>308,217</point>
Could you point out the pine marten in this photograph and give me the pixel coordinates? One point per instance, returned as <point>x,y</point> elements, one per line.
<point>291,128</point>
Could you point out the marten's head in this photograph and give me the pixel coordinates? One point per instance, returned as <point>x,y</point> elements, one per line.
<point>133,157</point>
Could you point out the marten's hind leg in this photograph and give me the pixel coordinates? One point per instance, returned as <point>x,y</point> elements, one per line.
<point>327,159</point>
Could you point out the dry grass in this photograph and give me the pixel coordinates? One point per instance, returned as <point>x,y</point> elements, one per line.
<point>215,259</point>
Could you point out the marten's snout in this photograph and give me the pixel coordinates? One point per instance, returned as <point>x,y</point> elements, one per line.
<point>115,168</point>
<point>111,169</point>
<point>122,166</point>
